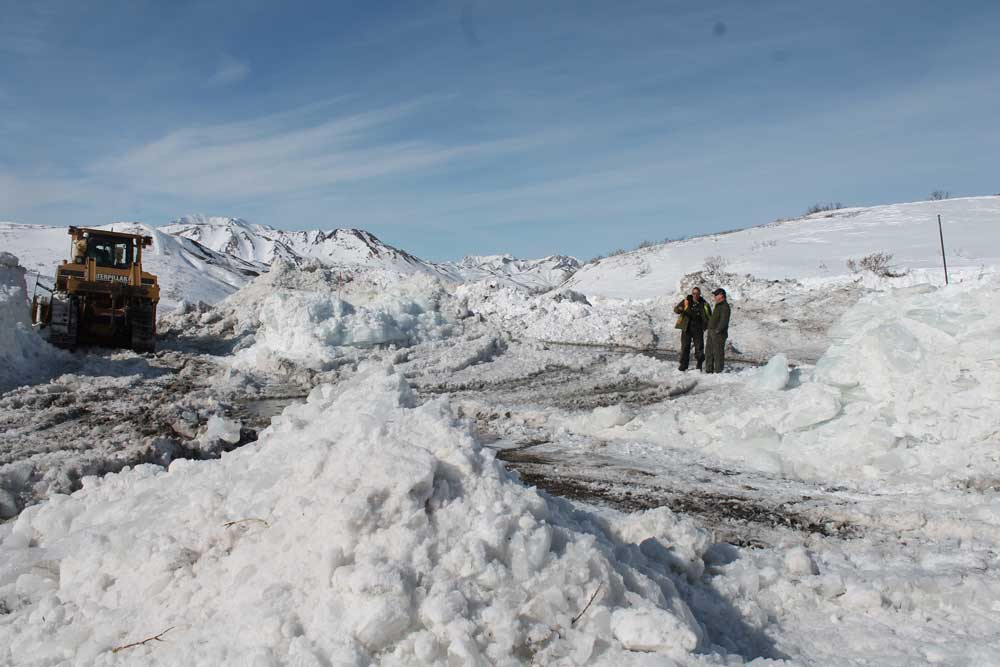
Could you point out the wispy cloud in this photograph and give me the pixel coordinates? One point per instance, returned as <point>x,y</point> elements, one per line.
<point>281,155</point>
<point>229,71</point>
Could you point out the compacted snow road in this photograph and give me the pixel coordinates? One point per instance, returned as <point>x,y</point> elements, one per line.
<point>524,416</point>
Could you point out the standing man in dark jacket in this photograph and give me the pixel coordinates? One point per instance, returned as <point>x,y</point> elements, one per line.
<point>694,313</point>
<point>718,332</point>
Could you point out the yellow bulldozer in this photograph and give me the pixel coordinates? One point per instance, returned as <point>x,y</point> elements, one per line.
<point>101,296</point>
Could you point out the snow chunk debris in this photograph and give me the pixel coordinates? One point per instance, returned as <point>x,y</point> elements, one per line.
<point>599,419</point>
<point>219,434</point>
<point>360,529</point>
<point>799,562</point>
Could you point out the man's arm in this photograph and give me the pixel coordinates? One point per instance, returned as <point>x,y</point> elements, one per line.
<point>723,319</point>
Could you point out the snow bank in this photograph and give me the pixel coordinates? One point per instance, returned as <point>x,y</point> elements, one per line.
<point>24,356</point>
<point>307,328</point>
<point>361,529</point>
<point>306,316</point>
<point>922,367</point>
<point>909,388</point>
<point>561,316</point>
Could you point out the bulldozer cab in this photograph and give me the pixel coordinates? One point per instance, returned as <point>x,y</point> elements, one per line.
<point>111,253</point>
<point>111,250</point>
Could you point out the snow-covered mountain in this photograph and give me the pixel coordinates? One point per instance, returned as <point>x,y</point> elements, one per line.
<point>186,269</point>
<point>815,248</point>
<point>535,274</point>
<point>263,244</point>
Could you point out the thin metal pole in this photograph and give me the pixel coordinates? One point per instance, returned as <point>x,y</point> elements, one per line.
<point>944,259</point>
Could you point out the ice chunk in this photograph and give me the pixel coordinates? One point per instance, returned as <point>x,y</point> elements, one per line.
<point>774,375</point>
<point>799,562</point>
<point>811,404</point>
<point>652,629</point>
<point>221,428</point>
<point>612,415</point>
<point>599,419</point>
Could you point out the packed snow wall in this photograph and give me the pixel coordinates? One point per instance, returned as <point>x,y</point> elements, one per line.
<point>24,356</point>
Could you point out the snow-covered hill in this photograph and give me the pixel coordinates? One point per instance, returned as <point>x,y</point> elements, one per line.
<point>534,274</point>
<point>816,248</point>
<point>263,244</point>
<point>186,269</point>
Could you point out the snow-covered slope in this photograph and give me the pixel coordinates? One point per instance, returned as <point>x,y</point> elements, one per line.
<point>263,244</point>
<point>816,248</point>
<point>187,270</point>
<point>534,274</point>
<point>233,236</point>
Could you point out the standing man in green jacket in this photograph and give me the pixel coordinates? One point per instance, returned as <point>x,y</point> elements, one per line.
<point>694,313</point>
<point>718,332</point>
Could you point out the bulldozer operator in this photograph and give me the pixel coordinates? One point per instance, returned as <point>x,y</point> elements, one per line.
<point>80,249</point>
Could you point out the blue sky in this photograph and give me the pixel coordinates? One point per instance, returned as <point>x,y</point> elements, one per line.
<point>451,128</point>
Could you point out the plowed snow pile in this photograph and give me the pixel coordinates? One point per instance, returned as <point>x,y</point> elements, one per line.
<point>560,316</point>
<point>310,316</point>
<point>307,328</point>
<point>24,356</point>
<point>360,529</point>
<point>919,372</point>
<point>908,390</point>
